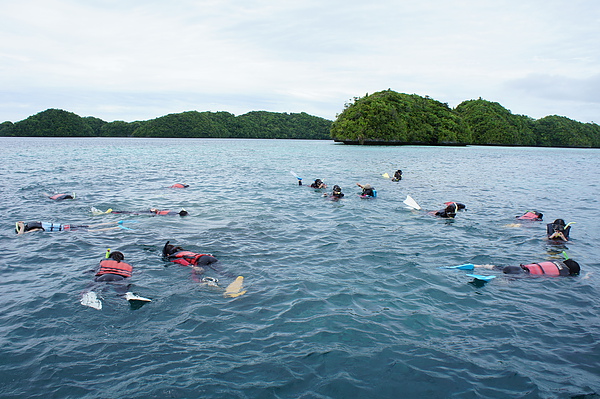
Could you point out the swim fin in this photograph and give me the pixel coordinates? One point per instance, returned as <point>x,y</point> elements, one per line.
<point>467,266</point>
<point>130,296</point>
<point>480,277</point>
<point>411,203</point>
<point>235,289</point>
<point>90,299</point>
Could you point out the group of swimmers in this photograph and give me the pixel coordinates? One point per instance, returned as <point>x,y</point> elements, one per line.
<point>557,231</point>
<point>113,268</point>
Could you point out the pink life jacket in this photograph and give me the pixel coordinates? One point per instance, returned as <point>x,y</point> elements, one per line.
<point>545,268</point>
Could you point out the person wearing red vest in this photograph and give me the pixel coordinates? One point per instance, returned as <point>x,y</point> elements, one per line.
<point>113,268</point>
<point>180,256</point>
<point>555,268</point>
<point>531,215</point>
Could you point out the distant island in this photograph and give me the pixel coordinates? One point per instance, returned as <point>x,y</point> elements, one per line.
<point>391,118</point>
<point>382,118</point>
<point>190,124</point>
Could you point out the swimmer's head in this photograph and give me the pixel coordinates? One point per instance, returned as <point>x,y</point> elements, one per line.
<point>367,186</point>
<point>573,266</point>
<point>337,189</point>
<point>183,212</point>
<point>116,255</point>
<point>559,222</point>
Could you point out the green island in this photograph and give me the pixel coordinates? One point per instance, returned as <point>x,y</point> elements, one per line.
<point>382,118</point>
<point>391,118</point>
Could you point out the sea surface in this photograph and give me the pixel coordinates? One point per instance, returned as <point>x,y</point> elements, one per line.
<point>344,299</point>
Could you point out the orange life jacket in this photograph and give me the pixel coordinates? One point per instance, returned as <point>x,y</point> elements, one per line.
<point>110,266</point>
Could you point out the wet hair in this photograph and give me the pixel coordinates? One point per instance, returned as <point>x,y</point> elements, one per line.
<point>116,255</point>
<point>169,249</point>
<point>573,266</point>
<point>337,189</point>
<point>559,222</point>
<point>183,212</point>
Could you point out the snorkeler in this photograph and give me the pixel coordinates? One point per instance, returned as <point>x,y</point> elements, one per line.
<point>450,211</point>
<point>555,268</point>
<point>26,227</point>
<point>179,185</point>
<point>318,183</point>
<point>337,192</point>
<point>397,175</point>
<point>60,197</point>
<point>194,260</point>
<point>557,230</point>
<point>113,270</point>
<point>531,215</point>
<point>151,211</point>
<point>368,191</point>
<point>180,256</point>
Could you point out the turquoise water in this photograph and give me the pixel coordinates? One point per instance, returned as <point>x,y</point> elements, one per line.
<point>344,299</point>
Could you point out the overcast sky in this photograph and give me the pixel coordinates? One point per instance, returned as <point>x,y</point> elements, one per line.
<point>140,59</point>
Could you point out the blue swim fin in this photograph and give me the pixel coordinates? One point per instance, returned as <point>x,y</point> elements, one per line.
<point>480,277</point>
<point>466,266</point>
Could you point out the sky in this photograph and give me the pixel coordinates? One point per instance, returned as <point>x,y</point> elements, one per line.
<point>141,59</point>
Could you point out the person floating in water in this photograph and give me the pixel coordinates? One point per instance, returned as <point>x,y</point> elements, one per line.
<point>26,227</point>
<point>555,268</point>
<point>397,175</point>
<point>557,230</point>
<point>60,197</point>
<point>113,270</point>
<point>196,261</point>
<point>367,191</point>
<point>531,215</point>
<point>450,210</point>
<point>336,194</point>
<point>318,183</point>
<point>151,211</point>
<point>179,185</point>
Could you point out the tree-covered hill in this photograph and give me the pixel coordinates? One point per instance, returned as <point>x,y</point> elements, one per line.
<point>261,124</point>
<point>391,117</point>
<point>388,117</point>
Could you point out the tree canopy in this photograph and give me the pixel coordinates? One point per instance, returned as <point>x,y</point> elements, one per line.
<point>257,124</point>
<point>388,117</point>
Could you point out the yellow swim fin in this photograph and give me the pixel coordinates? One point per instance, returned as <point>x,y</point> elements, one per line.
<point>235,289</point>
<point>385,175</point>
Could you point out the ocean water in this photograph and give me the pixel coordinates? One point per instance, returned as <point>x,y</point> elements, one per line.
<point>344,299</point>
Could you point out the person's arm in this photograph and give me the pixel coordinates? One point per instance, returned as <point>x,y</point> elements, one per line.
<point>558,235</point>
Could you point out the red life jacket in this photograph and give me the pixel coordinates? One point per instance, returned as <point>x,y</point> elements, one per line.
<point>530,216</point>
<point>162,212</point>
<point>546,268</point>
<point>178,185</point>
<point>186,257</point>
<point>110,266</point>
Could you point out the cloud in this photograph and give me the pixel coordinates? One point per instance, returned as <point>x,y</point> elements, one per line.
<point>132,58</point>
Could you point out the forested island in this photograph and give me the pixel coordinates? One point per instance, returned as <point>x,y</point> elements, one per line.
<point>191,124</point>
<point>391,118</point>
<point>383,118</point>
